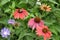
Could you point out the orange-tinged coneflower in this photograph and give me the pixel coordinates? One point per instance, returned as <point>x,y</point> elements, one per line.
<point>44,7</point>
<point>43,31</point>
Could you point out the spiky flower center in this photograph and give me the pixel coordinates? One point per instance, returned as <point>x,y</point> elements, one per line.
<point>16,24</point>
<point>37,19</point>
<point>45,7</point>
<point>20,10</point>
<point>45,30</point>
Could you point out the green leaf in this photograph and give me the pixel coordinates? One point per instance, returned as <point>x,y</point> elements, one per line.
<point>4,2</point>
<point>29,38</point>
<point>53,30</point>
<point>55,37</point>
<point>13,5</point>
<point>52,1</point>
<point>25,34</point>
<point>7,10</point>
<point>57,28</point>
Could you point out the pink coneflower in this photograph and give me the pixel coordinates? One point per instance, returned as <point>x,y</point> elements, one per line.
<point>43,31</point>
<point>20,13</point>
<point>34,22</point>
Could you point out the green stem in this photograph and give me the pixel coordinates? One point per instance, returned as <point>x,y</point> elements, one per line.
<point>12,14</point>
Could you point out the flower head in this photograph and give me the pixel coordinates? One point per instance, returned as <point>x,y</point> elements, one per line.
<point>38,3</point>
<point>11,21</point>
<point>34,22</point>
<point>17,24</point>
<point>43,31</point>
<point>20,13</point>
<point>5,32</point>
<point>44,7</point>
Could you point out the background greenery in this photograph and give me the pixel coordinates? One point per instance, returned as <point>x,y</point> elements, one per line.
<point>51,19</point>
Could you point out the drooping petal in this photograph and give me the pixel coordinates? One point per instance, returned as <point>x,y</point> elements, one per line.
<point>16,15</point>
<point>41,23</point>
<point>34,26</point>
<point>31,22</point>
<point>11,21</point>
<point>25,12</point>
<point>21,16</point>
<point>34,22</point>
<point>45,38</point>
<point>39,31</point>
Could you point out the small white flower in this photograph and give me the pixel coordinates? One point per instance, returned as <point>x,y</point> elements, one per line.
<point>38,3</point>
<point>38,0</point>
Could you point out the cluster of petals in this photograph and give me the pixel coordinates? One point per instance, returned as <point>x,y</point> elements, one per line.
<point>20,13</point>
<point>34,22</point>
<point>44,7</point>
<point>13,22</point>
<point>5,32</point>
<point>43,31</point>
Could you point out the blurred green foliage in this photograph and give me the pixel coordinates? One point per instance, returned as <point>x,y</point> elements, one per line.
<point>51,19</point>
